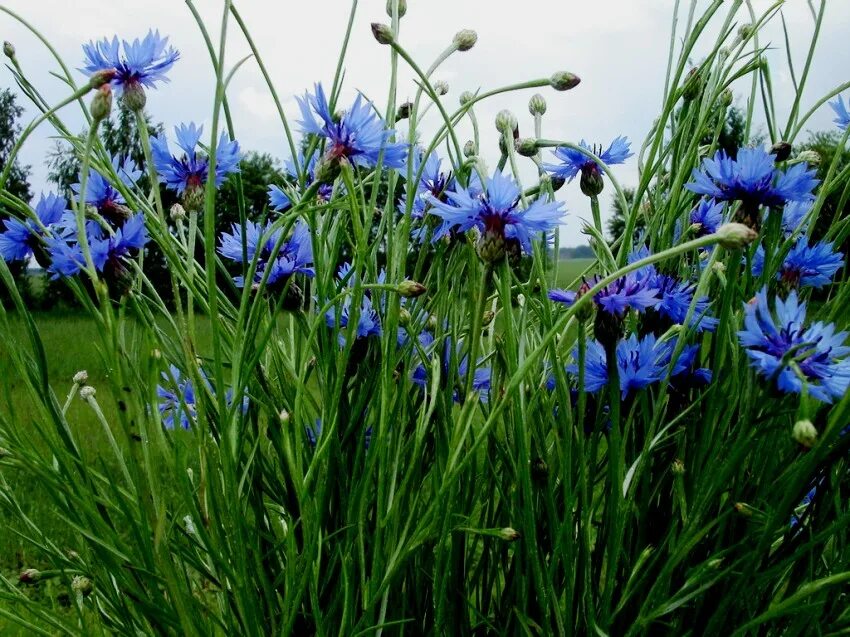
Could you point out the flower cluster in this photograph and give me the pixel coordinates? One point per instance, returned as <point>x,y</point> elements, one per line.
<point>340,317</point>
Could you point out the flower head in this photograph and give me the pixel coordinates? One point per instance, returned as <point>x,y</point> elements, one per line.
<point>20,237</point>
<point>177,403</point>
<point>496,212</point>
<point>141,62</point>
<point>107,252</point>
<point>452,353</point>
<point>358,135</point>
<point>842,115</point>
<point>753,179</point>
<point>294,257</point>
<point>805,265</point>
<point>191,170</point>
<point>433,182</point>
<point>793,216</point>
<point>101,194</point>
<point>368,320</point>
<point>629,292</point>
<point>707,216</point>
<point>784,350</point>
<point>574,162</point>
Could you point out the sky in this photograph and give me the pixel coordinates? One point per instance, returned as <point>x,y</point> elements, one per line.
<point>618,48</point>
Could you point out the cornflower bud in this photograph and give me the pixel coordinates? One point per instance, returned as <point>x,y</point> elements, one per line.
<point>526,147</point>
<point>177,212</point>
<point>781,150</point>
<point>693,85</point>
<point>87,392</point>
<point>805,433</point>
<point>101,103</point>
<point>283,416</point>
<point>99,78</point>
<point>469,149</point>
<point>810,157</point>
<point>441,87</point>
<point>402,8</point>
<point>29,576</point>
<point>404,317</point>
<point>509,535</point>
<point>726,98</point>
<point>564,81</point>
<point>81,377</point>
<point>537,104</point>
<point>735,235</point>
<point>82,585</point>
<point>465,39</point>
<point>487,318</point>
<point>8,49</point>
<point>591,182</point>
<point>403,111</point>
<point>506,122</point>
<point>134,97</point>
<point>382,32</point>
<point>678,467</point>
<point>411,289</point>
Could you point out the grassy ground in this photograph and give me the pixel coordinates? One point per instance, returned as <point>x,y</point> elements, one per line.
<point>569,270</point>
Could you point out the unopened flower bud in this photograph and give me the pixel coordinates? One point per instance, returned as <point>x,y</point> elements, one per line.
<point>327,169</point>
<point>744,509</point>
<point>781,150</point>
<point>805,433</point>
<point>101,103</point>
<point>537,104</point>
<point>29,576</point>
<point>591,181</point>
<point>735,235</point>
<point>564,81</point>
<point>526,147</point>
<point>82,585</point>
<point>404,317</point>
<point>134,97</point>
<point>719,267</point>
<point>745,31</point>
<point>87,392</point>
<point>177,212</point>
<point>557,182</point>
<point>383,33</point>
<point>465,40</point>
<point>432,323</point>
<point>492,246</point>
<point>283,416</point>
<point>678,467</point>
<point>509,535</point>
<point>4,453</point>
<point>506,122</point>
<point>693,85</point>
<point>411,289</point>
<point>402,7</point>
<point>403,111</point>
<point>466,97</point>
<point>8,49</point>
<point>469,149</point>
<point>726,98</point>
<point>441,87</point>
<point>81,377</point>
<point>810,157</point>
<point>99,78</point>
<point>487,318</point>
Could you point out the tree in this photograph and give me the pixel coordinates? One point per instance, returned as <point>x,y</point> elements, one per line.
<point>17,183</point>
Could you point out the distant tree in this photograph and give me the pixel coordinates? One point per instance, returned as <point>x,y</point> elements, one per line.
<point>17,183</point>
<point>256,172</point>
<point>617,222</point>
<point>827,144</point>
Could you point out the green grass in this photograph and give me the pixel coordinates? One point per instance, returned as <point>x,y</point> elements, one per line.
<point>570,269</point>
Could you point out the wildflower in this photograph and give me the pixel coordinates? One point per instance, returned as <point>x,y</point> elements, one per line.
<point>574,162</point>
<point>495,212</point>
<point>452,355</point>
<point>368,321</point>
<point>629,292</point>
<point>100,193</point>
<point>640,362</point>
<point>434,182</point>
<point>707,217</point>
<point>142,63</point>
<point>805,433</point>
<point>783,349</point>
<point>842,115</point>
<point>294,257</point>
<point>752,179</point>
<point>793,217</point>
<point>21,238</point>
<point>805,265</point>
<point>358,135</point>
<point>178,406</point>
<point>188,174</point>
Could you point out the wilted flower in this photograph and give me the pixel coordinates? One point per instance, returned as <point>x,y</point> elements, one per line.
<point>783,349</point>
<point>294,257</point>
<point>358,135</point>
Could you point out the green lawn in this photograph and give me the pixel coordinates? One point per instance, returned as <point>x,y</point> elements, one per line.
<point>570,269</point>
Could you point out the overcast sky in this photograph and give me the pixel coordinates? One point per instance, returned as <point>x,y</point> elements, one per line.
<point>618,48</point>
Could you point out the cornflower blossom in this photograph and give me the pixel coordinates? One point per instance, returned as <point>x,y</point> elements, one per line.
<point>805,265</point>
<point>753,179</point>
<point>295,255</point>
<point>796,357</point>
<point>24,238</point>
<point>573,162</point>
<point>187,174</point>
<point>359,135</point>
<point>496,213</point>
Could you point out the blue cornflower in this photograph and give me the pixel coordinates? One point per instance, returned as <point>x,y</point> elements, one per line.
<point>358,135</point>
<point>707,216</point>
<point>842,115</point>
<point>781,347</point>
<point>102,195</point>
<point>640,362</point>
<point>433,182</point>
<point>178,406</point>
<point>294,257</point>
<point>629,292</point>
<point>190,171</point>
<point>143,62</point>
<point>314,432</point>
<point>480,375</point>
<point>368,323</point>
<point>753,179</point>
<point>573,162</point>
<point>496,213</point>
<point>21,237</point>
<point>67,257</point>
<point>280,201</point>
<point>793,216</point>
<point>805,265</point>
